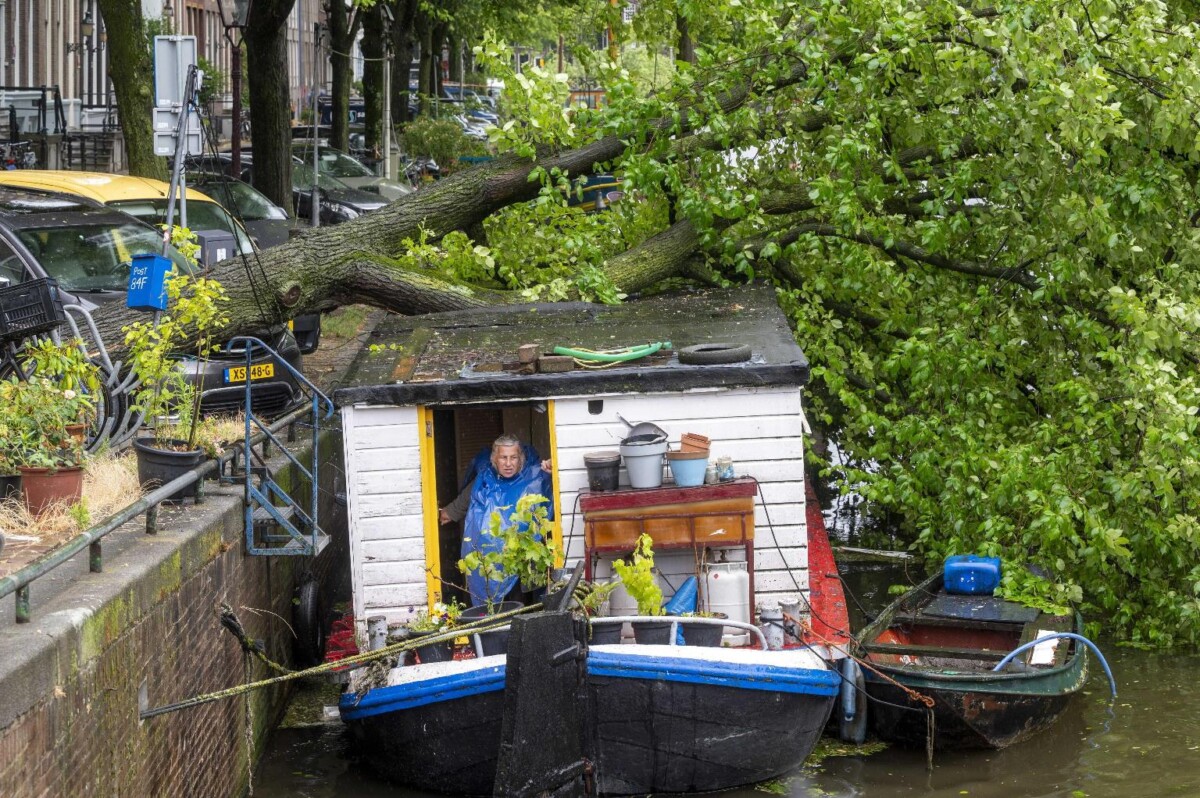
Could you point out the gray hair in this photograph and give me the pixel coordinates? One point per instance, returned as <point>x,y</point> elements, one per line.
<point>508,440</point>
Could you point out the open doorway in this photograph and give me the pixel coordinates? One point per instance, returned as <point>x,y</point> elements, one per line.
<point>460,433</point>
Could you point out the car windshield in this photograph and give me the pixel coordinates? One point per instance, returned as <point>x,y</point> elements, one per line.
<point>302,179</point>
<point>200,216</point>
<point>94,257</point>
<point>248,203</point>
<point>334,163</point>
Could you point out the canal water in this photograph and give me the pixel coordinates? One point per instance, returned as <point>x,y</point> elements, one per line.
<point>1145,745</point>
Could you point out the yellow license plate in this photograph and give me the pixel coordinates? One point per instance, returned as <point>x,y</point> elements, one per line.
<point>259,371</point>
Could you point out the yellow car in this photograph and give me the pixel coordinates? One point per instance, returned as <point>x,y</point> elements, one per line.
<point>140,197</point>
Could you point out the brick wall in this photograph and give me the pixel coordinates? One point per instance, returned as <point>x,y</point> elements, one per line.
<point>71,690</point>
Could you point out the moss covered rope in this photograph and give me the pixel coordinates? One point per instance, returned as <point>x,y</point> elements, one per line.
<point>488,624</point>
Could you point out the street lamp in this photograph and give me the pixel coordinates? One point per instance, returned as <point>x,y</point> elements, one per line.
<point>86,29</point>
<point>239,16</point>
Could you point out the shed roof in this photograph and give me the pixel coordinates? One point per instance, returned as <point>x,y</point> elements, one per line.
<point>471,356</point>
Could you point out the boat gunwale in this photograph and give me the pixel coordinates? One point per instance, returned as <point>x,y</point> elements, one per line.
<point>1074,664</point>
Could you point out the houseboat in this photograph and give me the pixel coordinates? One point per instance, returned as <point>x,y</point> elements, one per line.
<point>436,390</point>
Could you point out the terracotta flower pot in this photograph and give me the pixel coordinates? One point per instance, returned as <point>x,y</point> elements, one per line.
<point>78,431</point>
<point>46,487</point>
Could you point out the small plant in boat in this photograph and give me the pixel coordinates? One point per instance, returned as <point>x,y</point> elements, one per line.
<point>528,550</point>
<point>703,614</point>
<point>441,617</point>
<point>593,596</point>
<point>638,577</point>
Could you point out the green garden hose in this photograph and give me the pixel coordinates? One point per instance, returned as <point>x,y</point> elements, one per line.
<point>590,357</point>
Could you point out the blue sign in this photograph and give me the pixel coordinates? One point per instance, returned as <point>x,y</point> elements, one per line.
<point>148,282</point>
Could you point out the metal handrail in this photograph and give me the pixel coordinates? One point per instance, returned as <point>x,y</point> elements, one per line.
<point>253,495</point>
<point>18,582</point>
<point>676,620</point>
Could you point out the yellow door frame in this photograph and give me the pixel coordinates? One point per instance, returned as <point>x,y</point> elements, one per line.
<point>429,508</point>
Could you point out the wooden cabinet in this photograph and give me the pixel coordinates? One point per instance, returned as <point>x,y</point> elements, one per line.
<point>706,516</point>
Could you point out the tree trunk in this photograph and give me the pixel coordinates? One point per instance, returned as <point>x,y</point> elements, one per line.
<point>455,47</point>
<point>372,50</point>
<point>343,27</point>
<point>270,128</point>
<point>402,49</point>
<point>439,41</point>
<point>355,261</point>
<point>686,48</point>
<point>425,74</point>
<point>131,69</point>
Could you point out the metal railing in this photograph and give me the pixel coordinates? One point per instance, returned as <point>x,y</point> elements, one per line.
<point>19,581</point>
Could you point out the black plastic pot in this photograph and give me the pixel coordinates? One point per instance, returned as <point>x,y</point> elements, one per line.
<point>10,486</point>
<point>490,642</point>
<point>603,470</point>
<point>159,466</point>
<point>605,633</point>
<point>442,651</point>
<point>652,633</point>
<point>702,634</point>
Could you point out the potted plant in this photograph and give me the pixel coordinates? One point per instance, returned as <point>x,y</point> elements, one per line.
<point>165,397</point>
<point>702,634</point>
<point>68,366</point>
<point>527,551</point>
<point>442,618</point>
<point>34,415</point>
<point>593,604</point>
<point>639,579</point>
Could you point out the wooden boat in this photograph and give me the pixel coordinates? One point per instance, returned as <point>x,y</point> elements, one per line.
<point>691,719</point>
<point>945,647</point>
<point>659,718</point>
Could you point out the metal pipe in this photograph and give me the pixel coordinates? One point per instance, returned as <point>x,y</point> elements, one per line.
<point>377,632</point>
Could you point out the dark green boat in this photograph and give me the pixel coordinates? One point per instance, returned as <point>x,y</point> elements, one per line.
<point>945,646</point>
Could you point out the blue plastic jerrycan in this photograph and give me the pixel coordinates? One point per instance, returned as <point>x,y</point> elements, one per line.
<point>971,575</point>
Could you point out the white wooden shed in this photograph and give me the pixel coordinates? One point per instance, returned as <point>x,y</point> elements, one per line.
<point>439,387</point>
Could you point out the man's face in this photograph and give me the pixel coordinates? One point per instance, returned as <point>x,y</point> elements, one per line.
<point>507,460</point>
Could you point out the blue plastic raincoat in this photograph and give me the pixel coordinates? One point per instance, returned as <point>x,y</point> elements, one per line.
<point>493,492</point>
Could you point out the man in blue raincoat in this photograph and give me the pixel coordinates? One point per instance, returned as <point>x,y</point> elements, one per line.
<point>512,471</point>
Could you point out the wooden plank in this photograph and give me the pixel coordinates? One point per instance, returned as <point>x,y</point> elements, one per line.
<point>608,434</point>
<point>384,416</point>
<point>400,480</point>
<point>388,459</point>
<point>388,504</point>
<point>783,583</point>
<point>955,623</point>
<point>629,499</point>
<point>408,595</point>
<point>660,407</point>
<point>944,652</point>
<point>389,527</point>
<point>408,572</point>
<point>571,480</point>
<point>388,437</point>
<point>394,550</point>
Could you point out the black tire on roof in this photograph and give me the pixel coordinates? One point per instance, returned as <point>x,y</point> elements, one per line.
<point>714,354</point>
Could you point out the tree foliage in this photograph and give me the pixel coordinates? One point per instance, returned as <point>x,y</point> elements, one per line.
<point>980,217</point>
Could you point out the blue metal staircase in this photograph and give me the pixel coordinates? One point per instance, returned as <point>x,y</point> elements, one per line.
<point>276,521</point>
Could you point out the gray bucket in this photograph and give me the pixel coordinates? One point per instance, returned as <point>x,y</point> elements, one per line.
<point>644,463</point>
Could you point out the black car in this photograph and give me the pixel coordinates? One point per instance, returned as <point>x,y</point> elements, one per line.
<point>87,248</point>
<point>267,223</point>
<point>337,201</point>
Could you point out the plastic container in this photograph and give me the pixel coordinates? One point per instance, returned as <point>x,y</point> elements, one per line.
<point>644,462</point>
<point>603,470</point>
<point>971,575</point>
<point>29,308</point>
<point>687,468</point>
<point>726,589</point>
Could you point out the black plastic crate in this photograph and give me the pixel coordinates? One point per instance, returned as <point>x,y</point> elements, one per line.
<point>29,308</point>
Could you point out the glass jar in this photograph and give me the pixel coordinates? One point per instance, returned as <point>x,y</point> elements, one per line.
<point>724,468</point>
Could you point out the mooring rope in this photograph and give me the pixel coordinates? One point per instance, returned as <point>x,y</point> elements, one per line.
<point>488,624</point>
<point>252,648</point>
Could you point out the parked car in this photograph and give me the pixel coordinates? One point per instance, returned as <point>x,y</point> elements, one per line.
<point>140,197</point>
<point>340,165</point>
<point>268,224</point>
<point>338,201</point>
<point>87,248</point>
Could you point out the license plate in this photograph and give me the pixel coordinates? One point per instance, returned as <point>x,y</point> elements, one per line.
<point>259,371</point>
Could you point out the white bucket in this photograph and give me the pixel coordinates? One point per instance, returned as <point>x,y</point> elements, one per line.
<point>644,463</point>
<point>770,620</point>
